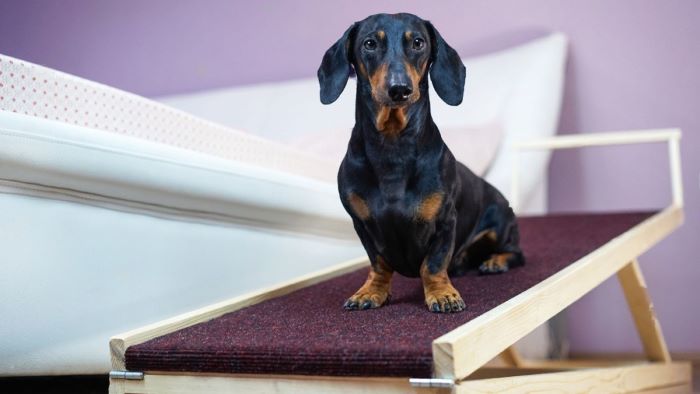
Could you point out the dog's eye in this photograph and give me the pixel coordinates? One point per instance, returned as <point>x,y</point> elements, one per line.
<point>370,44</point>
<point>418,43</point>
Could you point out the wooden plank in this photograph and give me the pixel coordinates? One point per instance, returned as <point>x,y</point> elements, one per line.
<point>514,197</point>
<point>647,378</point>
<point>630,379</point>
<point>599,139</point>
<point>581,363</point>
<point>191,382</point>
<point>674,154</point>
<point>252,384</point>
<point>504,372</point>
<point>635,289</point>
<point>468,347</point>
<point>119,343</point>
<point>632,356</point>
<point>671,136</point>
<point>512,357</point>
<point>680,389</point>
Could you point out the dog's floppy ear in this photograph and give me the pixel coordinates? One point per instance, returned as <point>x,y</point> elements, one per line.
<point>335,67</point>
<point>447,70</point>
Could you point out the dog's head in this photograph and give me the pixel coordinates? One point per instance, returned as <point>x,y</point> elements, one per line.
<point>392,55</point>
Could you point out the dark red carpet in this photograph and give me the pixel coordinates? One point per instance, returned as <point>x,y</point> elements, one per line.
<point>308,332</point>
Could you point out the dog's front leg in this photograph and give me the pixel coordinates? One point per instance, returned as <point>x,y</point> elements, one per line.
<point>440,295</point>
<point>377,288</point>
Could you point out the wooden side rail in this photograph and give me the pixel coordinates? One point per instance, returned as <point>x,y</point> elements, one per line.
<point>630,276</point>
<point>639,302</point>
<point>465,349</point>
<point>670,136</point>
<point>119,343</point>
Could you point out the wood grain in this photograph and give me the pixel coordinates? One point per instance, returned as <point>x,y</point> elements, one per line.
<point>630,379</point>
<point>642,309</point>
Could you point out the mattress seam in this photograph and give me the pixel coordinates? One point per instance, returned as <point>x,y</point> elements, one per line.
<point>36,190</point>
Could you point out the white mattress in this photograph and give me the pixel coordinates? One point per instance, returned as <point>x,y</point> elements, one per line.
<point>42,93</point>
<point>73,163</point>
<point>112,225</point>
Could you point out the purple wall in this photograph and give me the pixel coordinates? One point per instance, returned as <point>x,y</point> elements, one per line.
<point>633,64</point>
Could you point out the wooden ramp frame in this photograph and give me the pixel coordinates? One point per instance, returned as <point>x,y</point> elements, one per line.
<point>460,356</point>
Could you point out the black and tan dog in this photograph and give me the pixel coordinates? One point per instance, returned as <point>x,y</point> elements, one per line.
<point>416,209</point>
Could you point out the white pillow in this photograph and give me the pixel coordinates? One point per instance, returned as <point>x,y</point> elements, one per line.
<point>476,147</point>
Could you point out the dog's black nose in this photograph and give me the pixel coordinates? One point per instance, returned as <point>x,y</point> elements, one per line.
<point>400,93</point>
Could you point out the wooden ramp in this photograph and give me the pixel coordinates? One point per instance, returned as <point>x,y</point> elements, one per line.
<point>295,337</point>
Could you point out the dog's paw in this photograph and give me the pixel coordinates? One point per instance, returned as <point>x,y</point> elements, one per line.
<point>367,300</point>
<point>445,300</point>
<point>497,264</point>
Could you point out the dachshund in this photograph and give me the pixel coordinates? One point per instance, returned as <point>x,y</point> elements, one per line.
<point>416,210</point>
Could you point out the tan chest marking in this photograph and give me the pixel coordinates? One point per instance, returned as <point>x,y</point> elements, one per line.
<point>359,206</point>
<point>391,121</point>
<point>429,207</point>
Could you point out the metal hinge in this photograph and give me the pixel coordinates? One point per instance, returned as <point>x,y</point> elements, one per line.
<point>432,383</point>
<point>128,375</point>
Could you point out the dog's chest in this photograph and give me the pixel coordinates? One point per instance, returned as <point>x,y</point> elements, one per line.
<point>392,203</point>
<point>403,214</point>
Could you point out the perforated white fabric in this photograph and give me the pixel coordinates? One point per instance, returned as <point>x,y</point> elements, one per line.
<point>37,91</point>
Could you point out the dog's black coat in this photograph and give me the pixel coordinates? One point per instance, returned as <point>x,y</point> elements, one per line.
<point>392,174</point>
